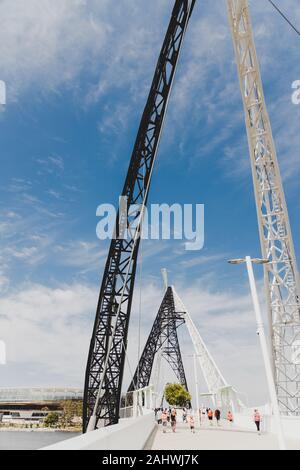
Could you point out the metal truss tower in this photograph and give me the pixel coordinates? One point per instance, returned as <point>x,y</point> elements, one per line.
<point>163,338</point>
<point>212,375</point>
<point>281,274</point>
<point>104,373</point>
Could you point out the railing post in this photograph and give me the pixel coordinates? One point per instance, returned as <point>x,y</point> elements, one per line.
<point>142,398</point>
<point>135,403</point>
<point>151,398</point>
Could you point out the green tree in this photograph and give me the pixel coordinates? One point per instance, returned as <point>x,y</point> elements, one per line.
<point>177,395</point>
<point>51,421</point>
<point>71,409</point>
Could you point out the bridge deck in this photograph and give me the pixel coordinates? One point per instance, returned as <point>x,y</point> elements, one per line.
<point>213,438</point>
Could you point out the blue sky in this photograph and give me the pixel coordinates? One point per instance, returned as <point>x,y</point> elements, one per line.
<point>77,74</point>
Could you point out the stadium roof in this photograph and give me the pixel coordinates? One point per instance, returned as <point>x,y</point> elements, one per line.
<point>23,395</point>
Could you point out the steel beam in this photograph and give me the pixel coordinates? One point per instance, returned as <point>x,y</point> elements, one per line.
<point>105,367</point>
<point>281,274</point>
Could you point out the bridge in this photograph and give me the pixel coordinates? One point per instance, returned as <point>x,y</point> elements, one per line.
<point>138,428</point>
<point>141,432</point>
<point>103,424</point>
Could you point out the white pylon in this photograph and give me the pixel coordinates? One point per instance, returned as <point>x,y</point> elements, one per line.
<point>156,379</point>
<point>218,387</point>
<point>281,274</point>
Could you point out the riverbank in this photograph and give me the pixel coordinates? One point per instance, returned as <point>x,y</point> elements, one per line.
<point>44,430</point>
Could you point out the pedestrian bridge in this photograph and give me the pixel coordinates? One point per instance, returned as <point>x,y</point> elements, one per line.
<point>141,432</point>
<point>224,437</point>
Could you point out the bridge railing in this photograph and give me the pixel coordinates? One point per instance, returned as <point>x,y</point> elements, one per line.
<point>134,403</point>
<point>291,424</point>
<point>132,432</point>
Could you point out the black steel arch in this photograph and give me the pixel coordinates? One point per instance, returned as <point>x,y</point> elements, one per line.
<point>163,336</point>
<point>106,359</point>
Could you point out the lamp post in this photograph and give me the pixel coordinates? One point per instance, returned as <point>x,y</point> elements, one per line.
<point>263,342</point>
<point>194,356</point>
<point>197,390</point>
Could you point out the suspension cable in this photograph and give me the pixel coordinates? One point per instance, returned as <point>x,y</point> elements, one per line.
<point>284,17</point>
<point>140,294</point>
<point>128,363</point>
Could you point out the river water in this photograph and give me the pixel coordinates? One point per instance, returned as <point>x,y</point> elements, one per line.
<point>11,440</point>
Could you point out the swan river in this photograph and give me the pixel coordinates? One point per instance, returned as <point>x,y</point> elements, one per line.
<point>21,440</point>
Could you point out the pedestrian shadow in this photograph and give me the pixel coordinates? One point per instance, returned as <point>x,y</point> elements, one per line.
<point>230,429</point>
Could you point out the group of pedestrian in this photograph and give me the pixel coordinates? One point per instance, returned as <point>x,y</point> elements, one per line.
<point>211,415</point>
<point>257,418</point>
<point>167,417</point>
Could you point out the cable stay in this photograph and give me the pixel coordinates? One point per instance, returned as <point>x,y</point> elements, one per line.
<point>284,17</point>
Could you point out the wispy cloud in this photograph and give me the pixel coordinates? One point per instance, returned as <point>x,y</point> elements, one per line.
<point>54,193</point>
<point>4,282</point>
<point>51,164</point>
<point>56,38</point>
<point>119,56</point>
<point>85,256</point>
<point>47,328</point>
<point>36,242</point>
<point>57,161</point>
<point>202,260</point>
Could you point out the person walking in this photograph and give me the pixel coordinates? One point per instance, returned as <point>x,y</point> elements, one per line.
<point>159,415</point>
<point>218,416</point>
<point>184,415</point>
<point>192,423</point>
<point>164,420</point>
<point>210,415</point>
<point>230,418</point>
<point>173,419</point>
<point>257,420</point>
<point>203,415</point>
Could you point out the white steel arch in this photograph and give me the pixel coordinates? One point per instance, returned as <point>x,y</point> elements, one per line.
<point>281,274</point>
<point>218,387</point>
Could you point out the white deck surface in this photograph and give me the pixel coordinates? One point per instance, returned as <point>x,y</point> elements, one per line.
<point>213,438</point>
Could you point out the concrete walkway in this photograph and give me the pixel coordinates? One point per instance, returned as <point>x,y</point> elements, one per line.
<point>213,438</point>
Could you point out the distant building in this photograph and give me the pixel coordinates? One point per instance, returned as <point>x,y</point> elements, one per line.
<point>19,405</point>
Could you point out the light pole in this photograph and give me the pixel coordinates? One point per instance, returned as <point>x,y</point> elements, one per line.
<point>197,390</point>
<point>263,342</point>
<point>194,356</point>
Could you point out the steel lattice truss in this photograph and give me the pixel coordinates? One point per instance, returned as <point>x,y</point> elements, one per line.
<point>281,275</point>
<point>105,366</point>
<point>163,337</point>
<point>211,373</point>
